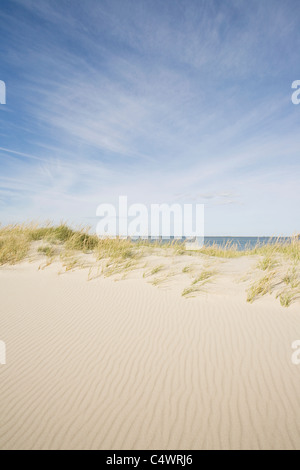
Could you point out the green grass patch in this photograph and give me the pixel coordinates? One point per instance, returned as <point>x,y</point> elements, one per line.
<point>47,251</point>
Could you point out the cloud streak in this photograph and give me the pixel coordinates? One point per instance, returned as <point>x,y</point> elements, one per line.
<point>150,99</point>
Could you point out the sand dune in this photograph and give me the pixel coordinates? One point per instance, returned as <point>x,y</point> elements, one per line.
<point>126,365</point>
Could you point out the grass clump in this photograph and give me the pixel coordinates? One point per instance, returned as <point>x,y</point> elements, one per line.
<point>204,276</point>
<point>187,269</point>
<point>154,270</point>
<point>291,278</point>
<point>69,261</point>
<point>189,290</point>
<point>260,287</point>
<point>160,280</point>
<point>38,233</point>
<point>121,255</point>
<point>289,248</point>
<point>268,262</point>
<point>119,267</point>
<point>115,249</point>
<point>14,245</point>
<point>286,298</point>
<point>157,269</point>
<point>179,248</point>
<point>47,250</point>
<point>228,250</point>
<point>61,233</point>
<point>81,241</point>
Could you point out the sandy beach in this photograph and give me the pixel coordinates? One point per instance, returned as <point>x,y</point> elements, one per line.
<point>104,363</point>
<point>149,227</point>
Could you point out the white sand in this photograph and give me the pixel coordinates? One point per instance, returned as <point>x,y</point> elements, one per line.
<point>126,365</point>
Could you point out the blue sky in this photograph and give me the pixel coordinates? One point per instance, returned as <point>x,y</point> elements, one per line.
<point>160,100</point>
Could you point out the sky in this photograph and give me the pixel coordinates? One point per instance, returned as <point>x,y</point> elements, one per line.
<point>165,101</point>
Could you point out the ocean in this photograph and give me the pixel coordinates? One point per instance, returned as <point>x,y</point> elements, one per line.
<point>242,243</point>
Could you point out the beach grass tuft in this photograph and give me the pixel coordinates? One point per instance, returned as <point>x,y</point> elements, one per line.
<point>260,287</point>
<point>47,250</point>
<point>14,244</point>
<point>204,276</point>
<point>122,255</point>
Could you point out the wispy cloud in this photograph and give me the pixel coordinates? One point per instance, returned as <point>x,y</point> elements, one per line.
<point>150,99</point>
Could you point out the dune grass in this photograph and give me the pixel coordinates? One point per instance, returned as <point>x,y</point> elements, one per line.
<point>286,298</point>
<point>81,241</point>
<point>228,250</point>
<point>275,246</point>
<point>267,262</point>
<point>54,234</point>
<point>157,281</point>
<point>14,246</point>
<point>188,291</point>
<point>118,266</point>
<point>69,261</point>
<point>17,237</point>
<point>291,278</point>
<point>290,249</point>
<point>115,249</point>
<point>187,269</point>
<point>47,250</point>
<point>153,271</point>
<point>122,255</point>
<point>157,269</point>
<point>205,276</point>
<point>260,287</point>
<point>285,286</point>
<point>15,240</point>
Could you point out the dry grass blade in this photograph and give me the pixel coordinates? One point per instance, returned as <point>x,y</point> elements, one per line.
<point>260,287</point>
